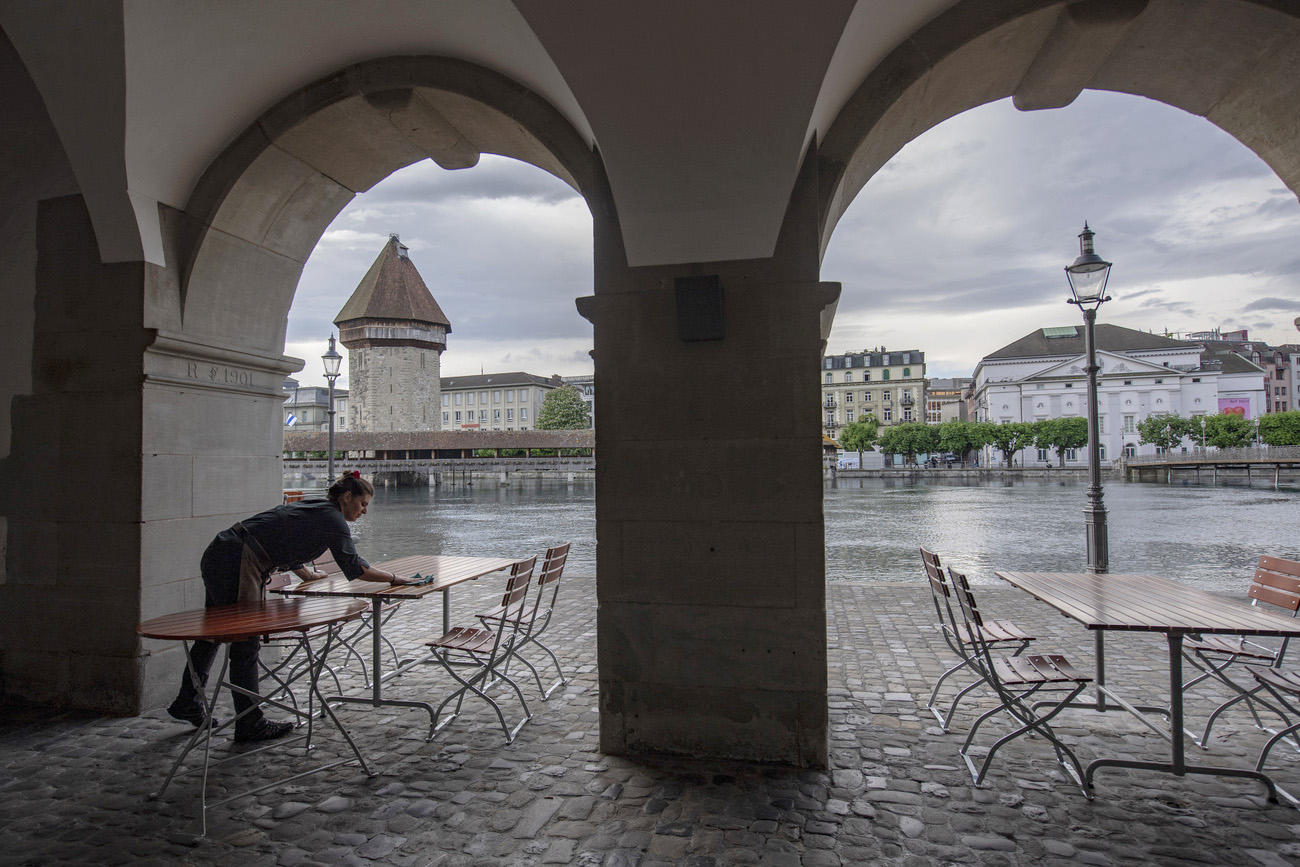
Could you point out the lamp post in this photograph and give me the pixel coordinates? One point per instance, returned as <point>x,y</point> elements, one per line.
<point>331,359</point>
<point>1087,276</point>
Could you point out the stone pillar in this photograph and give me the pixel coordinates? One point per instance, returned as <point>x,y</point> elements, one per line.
<point>70,598</point>
<point>711,556</point>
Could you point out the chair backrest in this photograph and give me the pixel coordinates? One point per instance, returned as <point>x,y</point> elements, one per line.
<point>934,571</point>
<point>278,580</point>
<point>325,563</point>
<point>970,613</point>
<point>1277,582</point>
<point>553,565</point>
<point>512,601</point>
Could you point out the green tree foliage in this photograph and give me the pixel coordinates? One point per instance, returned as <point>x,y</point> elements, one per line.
<point>1228,430</point>
<point>563,409</point>
<point>1010,437</point>
<point>1061,434</point>
<point>961,437</point>
<point>909,438</point>
<point>1280,428</point>
<point>1167,431</point>
<point>859,436</point>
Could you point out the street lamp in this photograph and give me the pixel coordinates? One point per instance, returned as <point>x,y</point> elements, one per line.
<point>1087,276</point>
<point>331,359</point>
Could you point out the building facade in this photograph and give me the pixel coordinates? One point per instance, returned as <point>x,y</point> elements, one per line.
<point>307,407</point>
<point>586,386</point>
<point>395,334</point>
<point>494,401</point>
<point>945,399</point>
<point>1041,376</point>
<point>890,386</point>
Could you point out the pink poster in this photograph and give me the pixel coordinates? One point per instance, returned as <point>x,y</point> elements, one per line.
<point>1235,405</point>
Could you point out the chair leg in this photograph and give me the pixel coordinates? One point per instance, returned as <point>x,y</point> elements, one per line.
<point>934,693</point>
<point>558,671</point>
<point>946,719</point>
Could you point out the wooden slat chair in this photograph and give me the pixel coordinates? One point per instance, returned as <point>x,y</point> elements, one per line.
<point>488,651</point>
<point>1016,680</point>
<point>538,618</point>
<point>1277,582</point>
<point>1002,634</point>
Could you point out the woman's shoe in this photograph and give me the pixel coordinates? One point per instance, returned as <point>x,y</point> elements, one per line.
<point>263,730</point>
<point>191,712</point>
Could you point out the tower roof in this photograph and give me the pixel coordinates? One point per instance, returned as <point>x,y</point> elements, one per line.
<point>393,289</point>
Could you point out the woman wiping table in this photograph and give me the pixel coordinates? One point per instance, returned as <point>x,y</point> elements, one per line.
<point>235,567</point>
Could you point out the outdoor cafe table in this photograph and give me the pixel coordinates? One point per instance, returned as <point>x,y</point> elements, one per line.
<point>240,622</point>
<point>1146,603</point>
<point>445,570</point>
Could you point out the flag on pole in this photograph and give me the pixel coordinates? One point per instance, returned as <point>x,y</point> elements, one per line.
<point>291,420</point>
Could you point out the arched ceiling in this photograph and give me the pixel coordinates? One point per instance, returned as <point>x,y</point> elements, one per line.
<point>701,111</point>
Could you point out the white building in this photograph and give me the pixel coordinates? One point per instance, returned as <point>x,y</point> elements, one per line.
<point>1041,376</point>
<point>494,401</point>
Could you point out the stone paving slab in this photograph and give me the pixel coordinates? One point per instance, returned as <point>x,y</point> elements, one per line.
<point>74,789</point>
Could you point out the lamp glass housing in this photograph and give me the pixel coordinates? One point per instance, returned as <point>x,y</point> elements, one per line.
<point>331,359</point>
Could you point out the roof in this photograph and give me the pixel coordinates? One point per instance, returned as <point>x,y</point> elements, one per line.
<point>1110,338</point>
<point>393,289</point>
<point>1229,362</point>
<point>499,380</point>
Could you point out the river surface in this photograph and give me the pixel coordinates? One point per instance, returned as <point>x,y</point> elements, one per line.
<point>1208,537</point>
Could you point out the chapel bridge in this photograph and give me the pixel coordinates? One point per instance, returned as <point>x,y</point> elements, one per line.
<point>422,457</point>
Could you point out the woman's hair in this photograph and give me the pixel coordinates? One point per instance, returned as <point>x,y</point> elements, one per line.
<point>350,483</point>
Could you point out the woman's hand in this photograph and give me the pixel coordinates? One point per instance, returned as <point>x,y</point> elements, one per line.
<point>396,581</point>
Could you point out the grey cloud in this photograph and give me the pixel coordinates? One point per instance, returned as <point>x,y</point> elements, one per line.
<point>1272,304</point>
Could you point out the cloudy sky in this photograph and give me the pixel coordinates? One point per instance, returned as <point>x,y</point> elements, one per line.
<point>956,247</point>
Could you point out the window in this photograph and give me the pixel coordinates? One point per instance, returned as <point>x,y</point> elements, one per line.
<point>889,414</point>
<point>510,414</point>
<point>496,396</point>
<point>446,400</point>
<point>887,395</point>
<point>1130,450</point>
<point>444,418</point>
<point>830,419</point>
<point>1101,452</point>
<point>1130,424</point>
<point>458,403</point>
<point>523,413</point>
<point>848,397</point>
<point>848,376</point>
<point>510,395</point>
<point>828,378</point>
<point>1128,382</point>
<point>1071,454</point>
<point>884,374</point>
<point>469,398</point>
<point>866,397</point>
<point>496,415</point>
<point>848,416</point>
<point>1042,455</point>
<point>457,416</point>
<point>1101,424</point>
<point>866,376</point>
<point>907,415</point>
<point>482,398</point>
<point>907,372</point>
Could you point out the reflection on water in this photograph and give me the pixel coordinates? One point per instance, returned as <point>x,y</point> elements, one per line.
<point>1209,537</point>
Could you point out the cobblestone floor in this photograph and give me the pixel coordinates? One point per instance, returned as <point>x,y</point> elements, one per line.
<point>74,789</point>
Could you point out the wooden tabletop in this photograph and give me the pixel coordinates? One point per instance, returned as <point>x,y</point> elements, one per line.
<point>1147,602</point>
<point>245,620</point>
<point>448,571</point>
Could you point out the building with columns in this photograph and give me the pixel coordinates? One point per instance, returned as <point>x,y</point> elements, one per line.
<point>395,334</point>
<point>1041,376</point>
<point>169,167</point>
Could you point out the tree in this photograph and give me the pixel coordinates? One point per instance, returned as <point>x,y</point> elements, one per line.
<point>1280,428</point>
<point>860,436</point>
<point>1010,437</point>
<point>1061,434</point>
<point>961,437</point>
<point>1229,430</point>
<point>564,409</point>
<point>909,438</point>
<point>1166,431</point>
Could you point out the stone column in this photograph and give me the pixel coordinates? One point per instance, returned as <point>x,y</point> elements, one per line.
<point>711,555</point>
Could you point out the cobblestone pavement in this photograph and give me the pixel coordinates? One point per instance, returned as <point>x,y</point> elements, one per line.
<point>74,788</point>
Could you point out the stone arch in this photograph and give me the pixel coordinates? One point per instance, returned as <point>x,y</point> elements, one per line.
<point>260,208</point>
<point>1233,62</point>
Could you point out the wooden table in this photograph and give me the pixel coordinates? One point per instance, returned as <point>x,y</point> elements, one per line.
<point>447,571</point>
<point>1147,603</point>
<point>241,622</point>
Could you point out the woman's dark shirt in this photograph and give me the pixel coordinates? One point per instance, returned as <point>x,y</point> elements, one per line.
<point>297,533</point>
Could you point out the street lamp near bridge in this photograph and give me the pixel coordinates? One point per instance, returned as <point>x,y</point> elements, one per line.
<point>331,359</point>
<point>1087,276</point>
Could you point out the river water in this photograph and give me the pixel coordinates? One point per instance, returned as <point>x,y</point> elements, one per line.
<point>1209,537</point>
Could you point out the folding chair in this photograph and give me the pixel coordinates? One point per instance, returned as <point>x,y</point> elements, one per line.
<point>292,664</point>
<point>1277,582</point>
<point>488,651</point>
<point>996,633</point>
<point>1020,683</point>
<point>538,619</point>
<point>1282,684</point>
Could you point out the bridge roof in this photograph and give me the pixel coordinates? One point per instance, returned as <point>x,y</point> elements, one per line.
<point>311,441</point>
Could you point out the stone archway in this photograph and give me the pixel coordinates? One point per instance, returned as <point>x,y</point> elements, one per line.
<point>1232,62</point>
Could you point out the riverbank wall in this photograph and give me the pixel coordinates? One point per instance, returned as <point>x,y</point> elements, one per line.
<point>972,474</point>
